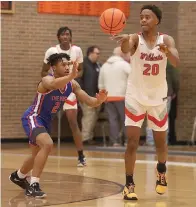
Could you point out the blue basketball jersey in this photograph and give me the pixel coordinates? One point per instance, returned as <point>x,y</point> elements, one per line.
<point>46,105</point>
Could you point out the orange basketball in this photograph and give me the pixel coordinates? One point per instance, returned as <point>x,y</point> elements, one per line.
<point>112,21</point>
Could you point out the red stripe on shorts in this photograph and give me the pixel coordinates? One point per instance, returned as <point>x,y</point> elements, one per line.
<point>134,117</point>
<point>160,123</point>
<point>72,103</point>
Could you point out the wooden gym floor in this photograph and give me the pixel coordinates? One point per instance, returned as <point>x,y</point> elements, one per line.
<point>101,182</point>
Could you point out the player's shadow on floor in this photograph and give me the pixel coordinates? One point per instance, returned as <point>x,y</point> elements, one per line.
<point>22,200</point>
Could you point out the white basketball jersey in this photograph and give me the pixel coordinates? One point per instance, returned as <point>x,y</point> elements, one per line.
<point>147,80</point>
<point>74,52</point>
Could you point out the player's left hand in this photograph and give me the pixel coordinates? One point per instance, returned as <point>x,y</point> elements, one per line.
<point>74,72</point>
<point>101,96</point>
<point>163,48</point>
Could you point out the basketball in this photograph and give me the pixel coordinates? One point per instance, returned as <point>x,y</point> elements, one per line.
<point>112,21</point>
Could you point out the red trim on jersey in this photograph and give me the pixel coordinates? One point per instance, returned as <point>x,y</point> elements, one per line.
<point>41,102</point>
<point>71,85</point>
<point>160,33</point>
<point>159,123</point>
<point>72,103</point>
<point>64,89</point>
<point>30,114</point>
<point>35,122</point>
<point>134,117</point>
<point>29,123</point>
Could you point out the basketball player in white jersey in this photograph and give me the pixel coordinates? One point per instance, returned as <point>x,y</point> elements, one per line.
<point>64,35</point>
<point>146,93</point>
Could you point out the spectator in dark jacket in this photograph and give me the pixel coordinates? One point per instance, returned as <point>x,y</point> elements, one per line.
<point>89,83</point>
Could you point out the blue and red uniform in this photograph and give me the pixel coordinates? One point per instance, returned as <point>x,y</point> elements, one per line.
<point>37,118</point>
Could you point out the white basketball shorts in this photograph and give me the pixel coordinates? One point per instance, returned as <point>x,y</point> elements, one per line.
<point>71,102</point>
<point>135,114</point>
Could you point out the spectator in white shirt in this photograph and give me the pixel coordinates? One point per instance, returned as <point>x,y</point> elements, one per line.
<point>113,77</point>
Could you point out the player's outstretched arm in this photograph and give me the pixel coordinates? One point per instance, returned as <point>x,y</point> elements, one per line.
<point>45,66</point>
<point>85,98</point>
<point>80,70</point>
<point>127,42</point>
<point>170,50</point>
<point>51,83</point>
<point>45,69</point>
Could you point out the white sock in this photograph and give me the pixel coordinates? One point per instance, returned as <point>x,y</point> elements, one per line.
<point>21,175</point>
<point>34,180</point>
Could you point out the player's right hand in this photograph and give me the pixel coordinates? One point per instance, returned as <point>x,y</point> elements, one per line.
<point>101,96</point>
<point>120,38</point>
<point>74,72</point>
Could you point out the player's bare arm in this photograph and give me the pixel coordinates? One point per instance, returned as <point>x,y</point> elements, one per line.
<point>85,98</point>
<point>51,83</point>
<point>46,66</point>
<point>45,69</point>
<point>128,42</point>
<point>130,45</point>
<point>170,50</point>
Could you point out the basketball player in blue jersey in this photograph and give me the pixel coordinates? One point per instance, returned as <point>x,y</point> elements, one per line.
<point>146,94</point>
<point>52,91</point>
<point>64,36</point>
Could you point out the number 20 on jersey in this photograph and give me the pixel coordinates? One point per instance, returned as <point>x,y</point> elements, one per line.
<point>151,69</point>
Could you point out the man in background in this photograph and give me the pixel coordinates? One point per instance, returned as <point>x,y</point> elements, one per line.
<point>113,78</point>
<point>89,83</point>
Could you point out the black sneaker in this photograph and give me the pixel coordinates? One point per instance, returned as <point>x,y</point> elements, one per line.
<point>35,191</point>
<point>81,162</point>
<point>21,182</point>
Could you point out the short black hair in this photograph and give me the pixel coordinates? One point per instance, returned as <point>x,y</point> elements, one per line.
<point>91,49</point>
<point>155,10</point>
<point>63,29</point>
<point>55,58</point>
